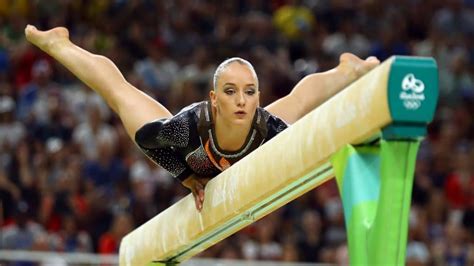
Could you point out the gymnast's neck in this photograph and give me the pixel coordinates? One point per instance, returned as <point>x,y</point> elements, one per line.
<point>229,136</point>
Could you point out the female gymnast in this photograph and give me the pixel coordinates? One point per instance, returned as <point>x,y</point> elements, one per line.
<point>204,138</point>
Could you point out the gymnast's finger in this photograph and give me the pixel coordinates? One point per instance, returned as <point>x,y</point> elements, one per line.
<point>200,193</point>
<point>201,196</point>
<point>196,200</point>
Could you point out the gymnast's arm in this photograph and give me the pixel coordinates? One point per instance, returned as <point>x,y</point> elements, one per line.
<point>147,135</point>
<point>316,88</point>
<point>157,144</point>
<point>159,141</point>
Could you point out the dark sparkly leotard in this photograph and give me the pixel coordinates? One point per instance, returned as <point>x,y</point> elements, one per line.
<point>186,143</point>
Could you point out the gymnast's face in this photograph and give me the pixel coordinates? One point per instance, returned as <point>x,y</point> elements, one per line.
<point>236,96</point>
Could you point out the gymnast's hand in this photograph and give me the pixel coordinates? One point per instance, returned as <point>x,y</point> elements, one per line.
<point>196,184</point>
<point>354,67</point>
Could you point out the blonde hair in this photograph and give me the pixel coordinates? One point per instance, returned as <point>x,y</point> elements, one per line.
<point>226,63</point>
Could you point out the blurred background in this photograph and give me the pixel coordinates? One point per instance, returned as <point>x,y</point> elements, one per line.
<point>72,181</point>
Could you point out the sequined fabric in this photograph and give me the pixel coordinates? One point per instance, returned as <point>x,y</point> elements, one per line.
<point>186,144</point>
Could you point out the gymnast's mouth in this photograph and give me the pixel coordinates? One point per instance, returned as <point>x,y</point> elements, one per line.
<point>240,113</point>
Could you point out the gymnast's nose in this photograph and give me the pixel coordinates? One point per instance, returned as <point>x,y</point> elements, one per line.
<point>241,99</point>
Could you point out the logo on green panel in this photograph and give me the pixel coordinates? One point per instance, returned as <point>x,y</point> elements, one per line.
<point>412,89</point>
<point>412,94</point>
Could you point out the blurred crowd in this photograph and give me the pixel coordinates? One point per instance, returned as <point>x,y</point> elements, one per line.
<point>71,180</point>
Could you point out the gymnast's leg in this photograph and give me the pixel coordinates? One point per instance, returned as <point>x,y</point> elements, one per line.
<point>134,107</point>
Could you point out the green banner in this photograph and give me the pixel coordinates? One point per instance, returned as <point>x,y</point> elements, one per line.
<point>375,183</point>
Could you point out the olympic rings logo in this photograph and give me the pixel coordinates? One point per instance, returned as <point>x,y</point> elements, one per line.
<point>412,105</point>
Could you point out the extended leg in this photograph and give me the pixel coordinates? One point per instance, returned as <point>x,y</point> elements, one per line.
<point>315,89</point>
<point>134,107</point>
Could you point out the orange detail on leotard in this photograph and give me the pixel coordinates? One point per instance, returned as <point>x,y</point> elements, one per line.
<point>211,157</point>
<point>224,163</point>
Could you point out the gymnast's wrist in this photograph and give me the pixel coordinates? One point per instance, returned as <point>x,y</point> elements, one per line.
<point>188,182</point>
<point>185,175</point>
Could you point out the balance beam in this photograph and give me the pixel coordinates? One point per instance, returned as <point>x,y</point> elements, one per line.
<point>284,168</point>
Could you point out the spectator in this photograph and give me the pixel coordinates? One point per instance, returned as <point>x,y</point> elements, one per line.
<point>93,131</point>
<point>347,39</point>
<point>459,187</point>
<point>35,97</point>
<point>109,242</point>
<point>23,233</point>
<point>311,239</point>
<point>70,238</point>
<point>11,130</point>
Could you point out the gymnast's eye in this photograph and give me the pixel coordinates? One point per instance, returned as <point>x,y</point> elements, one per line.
<point>250,91</point>
<point>229,91</point>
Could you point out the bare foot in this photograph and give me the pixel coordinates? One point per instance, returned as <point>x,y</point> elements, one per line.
<point>46,39</point>
<point>355,67</point>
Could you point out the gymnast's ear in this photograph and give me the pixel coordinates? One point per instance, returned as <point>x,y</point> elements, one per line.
<point>212,96</point>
